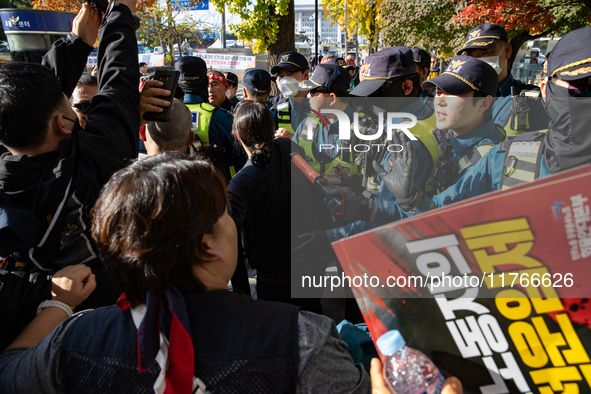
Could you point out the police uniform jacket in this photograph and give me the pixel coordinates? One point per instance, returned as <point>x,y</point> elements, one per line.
<point>537,117</point>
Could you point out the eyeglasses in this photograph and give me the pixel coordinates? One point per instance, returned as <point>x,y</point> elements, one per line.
<point>215,85</point>
<point>82,107</point>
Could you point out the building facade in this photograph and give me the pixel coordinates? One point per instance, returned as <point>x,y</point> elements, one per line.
<point>304,24</point>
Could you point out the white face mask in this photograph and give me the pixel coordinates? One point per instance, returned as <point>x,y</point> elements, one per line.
<point>494,61</point>
<point>288,88</point>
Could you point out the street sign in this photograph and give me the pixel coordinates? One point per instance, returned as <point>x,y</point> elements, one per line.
<point>191,5</point>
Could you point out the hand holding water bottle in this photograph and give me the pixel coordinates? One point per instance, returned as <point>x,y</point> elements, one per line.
<point>407,370</point>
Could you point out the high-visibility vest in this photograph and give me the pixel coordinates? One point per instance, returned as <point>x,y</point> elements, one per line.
<point>342,162</point>
<point>202,114</point>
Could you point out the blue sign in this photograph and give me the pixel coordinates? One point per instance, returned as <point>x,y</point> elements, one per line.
<point>209,36</point>
<point>37,20</point>
<point>186,4</point>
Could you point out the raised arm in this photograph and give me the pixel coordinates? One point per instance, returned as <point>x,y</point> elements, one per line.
<point>67,57</point>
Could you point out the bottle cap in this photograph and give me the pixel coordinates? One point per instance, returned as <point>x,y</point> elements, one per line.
<point>390,342</point>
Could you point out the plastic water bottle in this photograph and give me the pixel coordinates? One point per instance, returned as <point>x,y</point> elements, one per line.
<point>408,371</point>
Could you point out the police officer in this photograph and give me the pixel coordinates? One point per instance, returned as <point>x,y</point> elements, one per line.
<point>391,73</point>
<point>352,62</point>
<point>256,84</point>
<point>463,107</point>
<point>567,143</point>
<point>233,88</point>
<point>435,69</point>
<point>351,69</point>
<point>422,60</point>
<point>490,43</point>
<point>212,125</point>
<point>318,134</point>
<point>291,69</point>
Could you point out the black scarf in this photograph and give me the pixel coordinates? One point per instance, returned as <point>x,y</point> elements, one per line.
<point>191,87</point>
<point>568,141</point>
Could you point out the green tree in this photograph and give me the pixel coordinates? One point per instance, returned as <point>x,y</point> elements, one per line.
<point>168,25</point>
<point>361,17</point>
<point>301,38</point>
<point>442,25</point>
<point>423,24</point>
<point>15,4</point>
<point>270,22</point>
<point>527,19</point>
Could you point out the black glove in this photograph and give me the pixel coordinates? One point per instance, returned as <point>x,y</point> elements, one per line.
<point>353,205</point>
<point>400,179</point>
<point>311,252</point>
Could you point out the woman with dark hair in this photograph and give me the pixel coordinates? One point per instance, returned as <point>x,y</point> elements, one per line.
<point>261,204</point>
<point>163,231</point>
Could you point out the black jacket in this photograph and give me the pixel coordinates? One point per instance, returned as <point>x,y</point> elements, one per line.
<point>45,199</point>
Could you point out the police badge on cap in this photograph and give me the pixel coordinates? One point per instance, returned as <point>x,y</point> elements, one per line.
<point>484,37</point>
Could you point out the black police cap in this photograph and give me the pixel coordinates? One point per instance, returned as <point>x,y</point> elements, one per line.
<point>465,74</point>
<point>421,56</point>
<point>571,57</point>
<point>483,37</point>
<point>192,68</point>
<point>383,65</point>
<point>232,78</point>
<point>329,76</point>
<point>257,80</point>
<point>341,62</point>
<point>291,62</point>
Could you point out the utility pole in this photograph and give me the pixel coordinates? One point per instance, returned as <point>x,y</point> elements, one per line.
<point>346,33</point>
<point>357,38</point>
<point>223,38</point>
<point>316,33</point>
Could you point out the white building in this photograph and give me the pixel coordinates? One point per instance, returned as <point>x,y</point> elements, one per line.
<point>304,24</point>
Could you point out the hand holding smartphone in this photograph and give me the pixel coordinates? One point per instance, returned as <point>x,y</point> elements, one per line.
<point>170,79</point>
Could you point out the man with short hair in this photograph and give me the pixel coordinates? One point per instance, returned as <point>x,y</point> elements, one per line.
<point>54,171</point>
<point>217,88</point>
<point>143,69</point>
<point>86,89</point>
<point>173,136</point>
<point>212,125</point>
<point>490,43</point>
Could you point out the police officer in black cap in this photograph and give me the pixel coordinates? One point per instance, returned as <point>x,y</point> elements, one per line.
<point>256,84</point>
<point>350,69</point>
<point>232,80</point>
<point>463,107</point>
<point>291,69</point>
<point>326,89</point>
<point>567,143</point>
<point>489,42</point>
<point>391,73</point>
<point>212,125</point>
<point>423,62</point>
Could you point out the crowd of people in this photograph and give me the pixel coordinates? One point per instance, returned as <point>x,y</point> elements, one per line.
<point>119,236</point>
